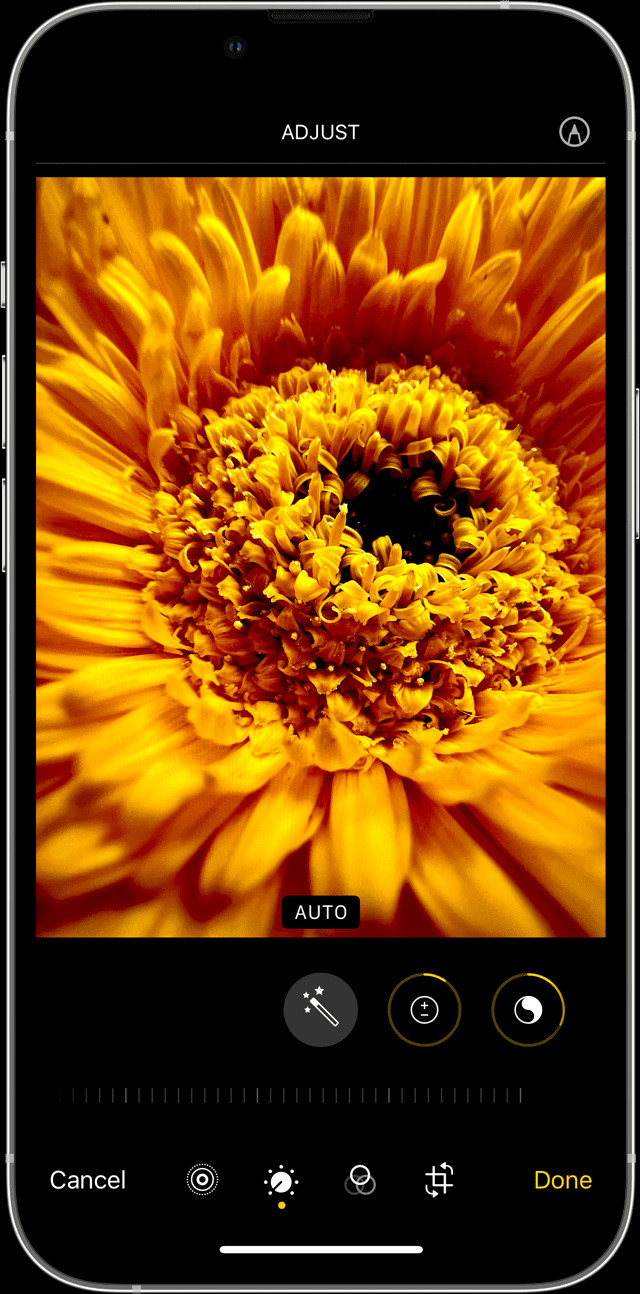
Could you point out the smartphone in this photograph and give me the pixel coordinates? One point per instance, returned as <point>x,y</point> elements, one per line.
<point>325,980</point>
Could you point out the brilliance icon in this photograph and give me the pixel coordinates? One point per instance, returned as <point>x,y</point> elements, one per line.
<point>528,1010</point>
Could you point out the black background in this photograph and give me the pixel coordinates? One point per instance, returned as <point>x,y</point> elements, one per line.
<point>23,23</point>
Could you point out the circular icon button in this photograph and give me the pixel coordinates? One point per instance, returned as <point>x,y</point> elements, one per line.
<point>281,1181</point>
<point>425,1018</point>
<point>202,1179</point>
<point>360,1181</point>
<point>320,1009</point>
<point>528,1009</point>
<point>574,132</point>
<point>424,1009</point>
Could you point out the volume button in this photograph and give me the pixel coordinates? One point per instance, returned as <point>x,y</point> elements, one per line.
<point>4,525</point>
<point>4,401</point>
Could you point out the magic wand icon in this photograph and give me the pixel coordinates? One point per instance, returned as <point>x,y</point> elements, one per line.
<point>323,1011</point>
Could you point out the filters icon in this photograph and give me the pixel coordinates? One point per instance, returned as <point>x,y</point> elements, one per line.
<point>360,1181</point>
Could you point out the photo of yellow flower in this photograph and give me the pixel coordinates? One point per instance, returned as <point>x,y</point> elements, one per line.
<point>320,554</point>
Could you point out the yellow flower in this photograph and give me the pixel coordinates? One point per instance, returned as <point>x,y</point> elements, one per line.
<point>320,553</point>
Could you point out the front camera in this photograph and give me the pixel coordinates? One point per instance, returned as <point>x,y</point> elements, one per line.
<point>235,47</point>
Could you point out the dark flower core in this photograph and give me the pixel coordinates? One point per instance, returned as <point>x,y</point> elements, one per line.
<point>421,523</point>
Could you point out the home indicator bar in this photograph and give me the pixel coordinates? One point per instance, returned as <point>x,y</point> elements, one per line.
<point>321,1249</point>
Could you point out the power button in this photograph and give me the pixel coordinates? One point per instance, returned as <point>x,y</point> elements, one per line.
<point>636,452</point>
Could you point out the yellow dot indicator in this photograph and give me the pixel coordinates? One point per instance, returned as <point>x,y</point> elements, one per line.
<point>281,1204</point>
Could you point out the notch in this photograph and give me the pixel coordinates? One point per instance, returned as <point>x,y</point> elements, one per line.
<point>320,15</point>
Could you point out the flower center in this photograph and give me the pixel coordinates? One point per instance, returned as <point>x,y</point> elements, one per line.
<point>375,550</point>
<point>406,502</point>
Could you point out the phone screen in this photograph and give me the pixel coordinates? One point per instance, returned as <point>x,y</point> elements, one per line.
<point>326,970</point>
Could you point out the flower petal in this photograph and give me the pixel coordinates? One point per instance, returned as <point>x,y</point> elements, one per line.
<point>299,245</point>
<point>558,840</point>
<point>461,886</point>
<point>103,402</point>
<point>365,846</point>
<point>573,326</point>
<point>80,857</point>
<point>263,832</point>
